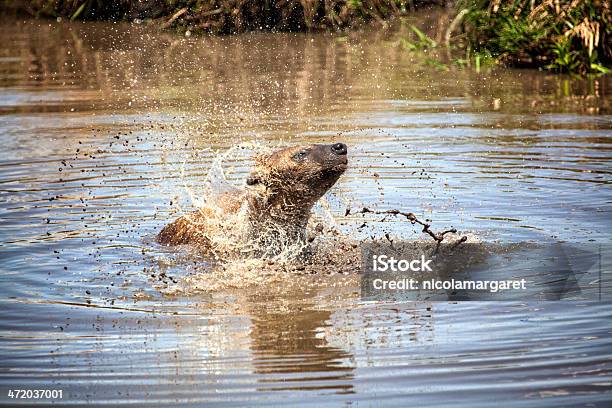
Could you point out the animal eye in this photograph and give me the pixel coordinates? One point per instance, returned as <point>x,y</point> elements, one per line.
<point>299,156</point>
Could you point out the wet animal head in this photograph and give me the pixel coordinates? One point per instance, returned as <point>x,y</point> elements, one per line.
<point>300,174</point>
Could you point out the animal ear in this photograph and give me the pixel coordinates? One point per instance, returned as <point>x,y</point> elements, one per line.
<point>256,177</point>
<point>253,179</point>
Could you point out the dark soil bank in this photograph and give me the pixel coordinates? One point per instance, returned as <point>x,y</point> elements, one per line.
<point>229,16</point>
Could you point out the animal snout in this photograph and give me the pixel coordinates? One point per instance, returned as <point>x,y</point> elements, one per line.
<point>339,149</point>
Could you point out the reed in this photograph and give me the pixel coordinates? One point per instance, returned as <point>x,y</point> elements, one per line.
<point>562,35</point>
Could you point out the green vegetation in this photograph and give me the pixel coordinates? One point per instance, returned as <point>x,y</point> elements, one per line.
<point>422,41</point>
<point>563,35</point>
<point>572,36</point>
<point>431,53</point>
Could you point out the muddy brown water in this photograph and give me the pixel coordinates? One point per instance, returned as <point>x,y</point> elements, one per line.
<point>106,130</point>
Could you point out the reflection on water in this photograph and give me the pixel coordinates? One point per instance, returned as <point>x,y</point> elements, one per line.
<point>104,128</point>
<point>288,347</point>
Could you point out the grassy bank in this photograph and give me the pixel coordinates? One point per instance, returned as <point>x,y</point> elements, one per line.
<point>561,35</point>
<point>227,16</point>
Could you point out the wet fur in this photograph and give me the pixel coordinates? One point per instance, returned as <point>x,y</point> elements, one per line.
<point>279,196</point>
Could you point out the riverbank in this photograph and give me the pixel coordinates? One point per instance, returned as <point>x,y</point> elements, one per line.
<point>571,36</point>
<point>229,16</point>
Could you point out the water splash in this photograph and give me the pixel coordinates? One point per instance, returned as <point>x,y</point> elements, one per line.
<point>239,258</point>
<point>222,222</point>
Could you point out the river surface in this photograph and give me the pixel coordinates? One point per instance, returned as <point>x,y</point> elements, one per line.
<point>109,131</point>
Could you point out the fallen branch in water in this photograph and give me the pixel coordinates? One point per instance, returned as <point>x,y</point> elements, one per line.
<point>438,237</point>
